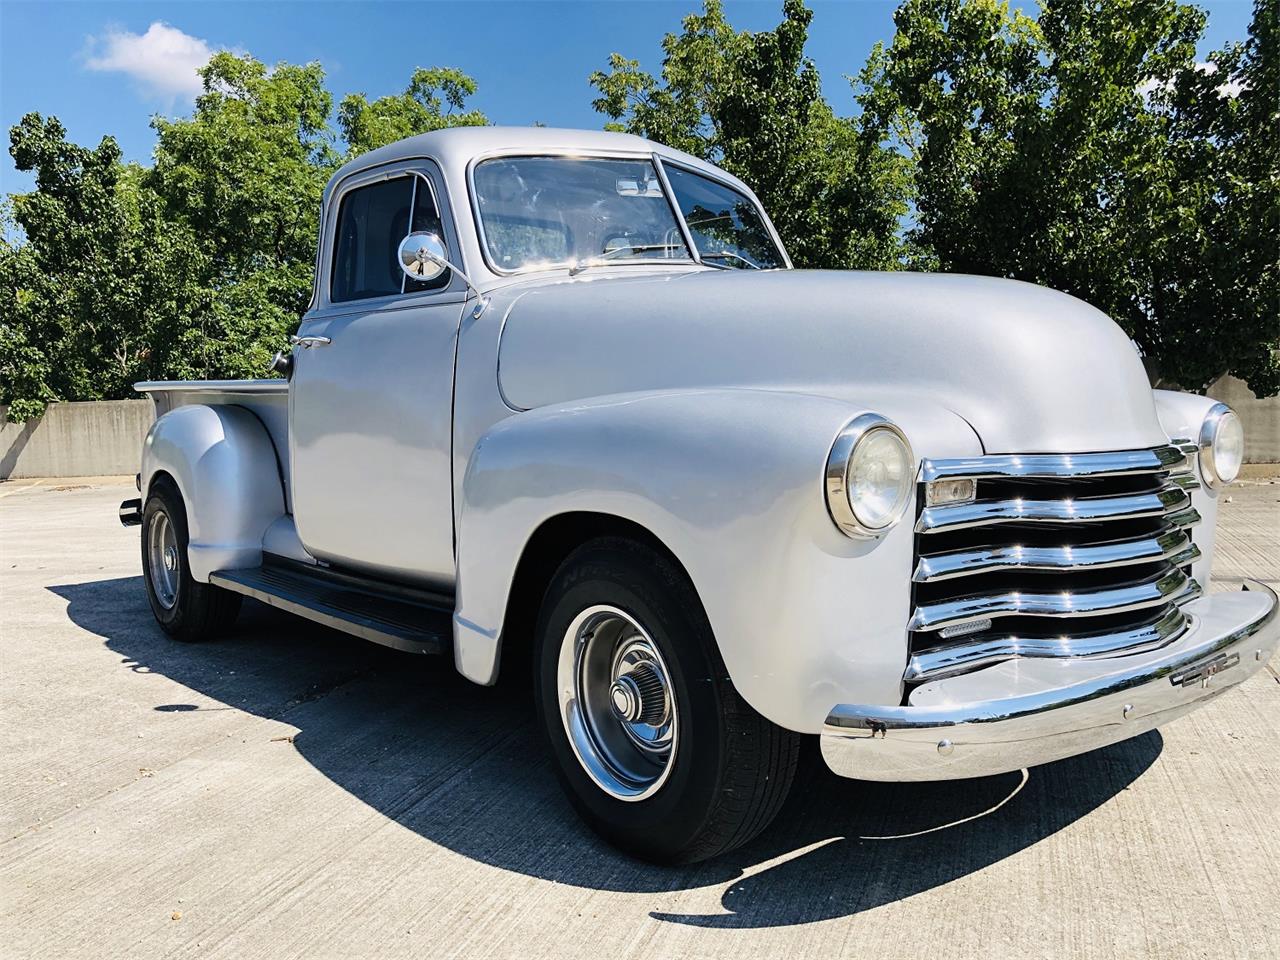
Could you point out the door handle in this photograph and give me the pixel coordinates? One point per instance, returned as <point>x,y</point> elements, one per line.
<point>309,342</point>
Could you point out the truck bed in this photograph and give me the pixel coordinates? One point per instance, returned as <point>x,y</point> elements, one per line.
<point>267,399</point>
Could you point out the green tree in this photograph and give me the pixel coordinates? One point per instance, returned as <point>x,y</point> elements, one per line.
<point>751,103</point>
<point>435,98</point>
<point>1042,151</point>
<point>72,323</point>
<point>1215,259</point>
<point>240,183</point>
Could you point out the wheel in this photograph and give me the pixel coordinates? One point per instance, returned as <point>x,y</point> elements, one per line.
<point>653,745</point>
<point>186,609</point>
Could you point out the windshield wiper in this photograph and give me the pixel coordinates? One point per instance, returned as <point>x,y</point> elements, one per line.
<point>581,265</point>
<point>729,253</point>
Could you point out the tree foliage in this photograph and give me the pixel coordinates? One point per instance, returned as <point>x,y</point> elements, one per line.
<point>75,318</point>
<point>1088,151</point>
<point>1085,149</point>
<point>200,265</point>
<point>751,103</point>
<point>435,98</point>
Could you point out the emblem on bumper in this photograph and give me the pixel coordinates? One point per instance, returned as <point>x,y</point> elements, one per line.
<point>1203,671</point>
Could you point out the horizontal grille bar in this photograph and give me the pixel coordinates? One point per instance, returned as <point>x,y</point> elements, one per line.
<point>961,657</point>
<point>962,516</point>
<point>1170,586</point>
<point>1173,545</point>
<point>1115,464</point>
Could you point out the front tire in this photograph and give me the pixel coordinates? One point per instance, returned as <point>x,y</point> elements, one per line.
<point>654,746</point>
<point>186,609</point>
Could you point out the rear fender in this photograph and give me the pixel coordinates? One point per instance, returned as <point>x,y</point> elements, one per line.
<point>226,468</point>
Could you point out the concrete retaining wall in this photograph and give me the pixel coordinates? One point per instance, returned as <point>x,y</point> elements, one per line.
<point>1261,419</point>
<point>76,440</point>
<point>105,438</point>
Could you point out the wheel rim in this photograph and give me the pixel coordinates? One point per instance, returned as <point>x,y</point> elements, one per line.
<point>162,559</point>
<point>617,703</point>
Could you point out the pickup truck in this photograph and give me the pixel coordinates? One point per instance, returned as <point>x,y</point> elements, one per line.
<point>561,405</point>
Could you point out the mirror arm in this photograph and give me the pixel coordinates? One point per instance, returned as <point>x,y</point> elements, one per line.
<point>482,301</point>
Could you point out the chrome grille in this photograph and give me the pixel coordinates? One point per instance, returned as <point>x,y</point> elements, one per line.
<point>1073,555</point>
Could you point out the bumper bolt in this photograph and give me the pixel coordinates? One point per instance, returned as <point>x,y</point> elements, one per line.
<point>1128,710</point>
<point>946,747</point>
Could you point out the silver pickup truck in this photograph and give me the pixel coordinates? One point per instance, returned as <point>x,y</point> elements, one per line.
<point>561,405</point>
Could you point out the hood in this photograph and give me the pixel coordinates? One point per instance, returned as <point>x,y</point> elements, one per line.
<point>1032,370</point>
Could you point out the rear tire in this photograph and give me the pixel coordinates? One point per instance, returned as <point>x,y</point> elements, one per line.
<point>186,609</point>
<point>653,744</point>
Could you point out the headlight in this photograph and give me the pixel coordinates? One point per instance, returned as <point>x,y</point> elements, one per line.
<point>870,472</point>
<point>1221,446</point>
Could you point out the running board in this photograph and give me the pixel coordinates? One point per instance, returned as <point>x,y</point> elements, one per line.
<point>400,617</point>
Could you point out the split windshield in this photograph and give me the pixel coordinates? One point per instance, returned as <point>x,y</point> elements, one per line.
<point>539,213</point>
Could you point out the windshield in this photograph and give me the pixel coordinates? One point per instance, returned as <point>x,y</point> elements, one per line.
<point>725,225</point>
<point>541,212</point>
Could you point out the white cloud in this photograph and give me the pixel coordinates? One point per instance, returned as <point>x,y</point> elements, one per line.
<point>163,60</point>
<point>1229,89</point>
<point>1150,86</point>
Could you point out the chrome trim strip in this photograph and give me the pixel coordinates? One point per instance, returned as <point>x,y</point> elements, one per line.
<point>961,657</point>
<point>1185,518</point>
<point>212,386</point>
<point>1173,545</point>
<point>1168,499</point>
<point>1117,463</point>
<point>1150,592</point>
<point>1186,481</point>
<point>1088,704</point>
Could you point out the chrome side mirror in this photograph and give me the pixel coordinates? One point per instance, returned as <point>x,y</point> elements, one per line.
<point>423,256</point>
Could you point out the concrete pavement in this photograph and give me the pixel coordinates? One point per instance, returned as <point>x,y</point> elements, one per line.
<point>291,792</point>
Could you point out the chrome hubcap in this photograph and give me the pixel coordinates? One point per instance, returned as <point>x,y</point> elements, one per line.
<point>617,703</point>
<point>162,560</point>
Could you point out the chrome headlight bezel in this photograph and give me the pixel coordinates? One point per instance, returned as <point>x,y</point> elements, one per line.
<point>840,506</point>
<point>1211,431</point>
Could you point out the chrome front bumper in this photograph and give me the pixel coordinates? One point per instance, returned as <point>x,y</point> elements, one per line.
<point>1026,712</point>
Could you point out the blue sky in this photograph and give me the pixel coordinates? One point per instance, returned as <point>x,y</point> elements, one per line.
<point>107,67</point>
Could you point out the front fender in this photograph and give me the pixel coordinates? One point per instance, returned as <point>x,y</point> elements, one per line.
<point>224,463</point>
<point>731,482</point>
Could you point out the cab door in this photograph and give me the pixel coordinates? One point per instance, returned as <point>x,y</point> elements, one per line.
<point>370,403</point>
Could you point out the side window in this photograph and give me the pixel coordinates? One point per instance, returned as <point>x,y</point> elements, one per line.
<point>726,227</point>
<point>371,223</point>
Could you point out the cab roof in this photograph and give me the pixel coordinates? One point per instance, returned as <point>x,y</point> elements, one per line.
<point>453,148</point>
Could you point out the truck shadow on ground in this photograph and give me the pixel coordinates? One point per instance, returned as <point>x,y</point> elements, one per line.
<point>463,766</point>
